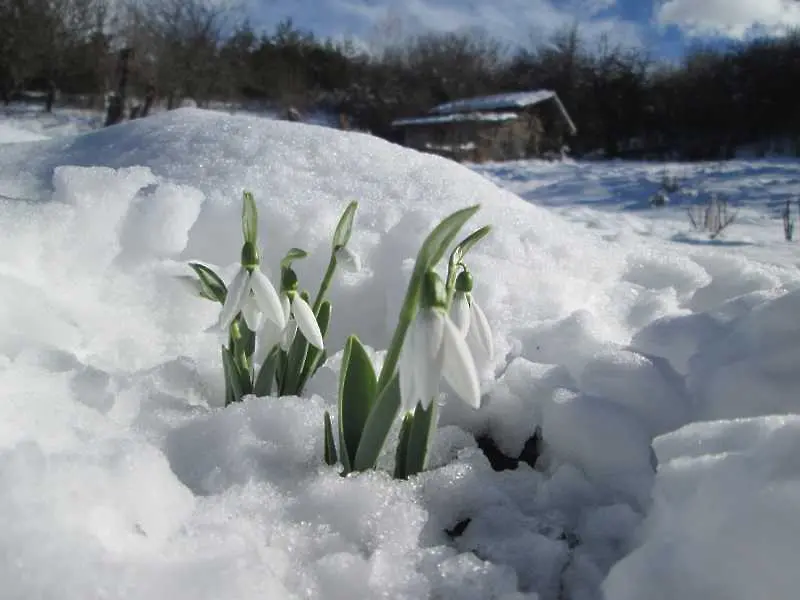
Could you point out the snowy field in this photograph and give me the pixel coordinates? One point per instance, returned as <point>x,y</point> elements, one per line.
<point>660,370</point>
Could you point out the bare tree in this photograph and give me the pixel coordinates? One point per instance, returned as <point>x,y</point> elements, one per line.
<point>177,45</point>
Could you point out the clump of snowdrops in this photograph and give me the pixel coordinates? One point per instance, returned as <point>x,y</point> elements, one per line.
<point>276,342</point>
<point>275,338</point>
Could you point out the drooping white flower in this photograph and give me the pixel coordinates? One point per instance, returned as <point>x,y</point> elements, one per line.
<point>435,348</point>
<point>238,299</point>
<point>251,313</point>
<point>297,315</point>
<point>471,321</point>
<point>306,321</point>
<point>349,260</point>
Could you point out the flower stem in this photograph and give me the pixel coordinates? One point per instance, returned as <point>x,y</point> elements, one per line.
<point>239,353</point>
<point>325,284</point>
<point>407,312</point>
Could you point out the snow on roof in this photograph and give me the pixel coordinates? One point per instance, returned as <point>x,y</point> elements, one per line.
<point>473,116</point>
<point>496,102</point>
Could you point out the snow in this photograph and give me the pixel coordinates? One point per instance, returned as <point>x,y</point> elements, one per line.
<point>456,118</point>
<point>495,102</point>
<point>655,367</point>
<point>10,135</point>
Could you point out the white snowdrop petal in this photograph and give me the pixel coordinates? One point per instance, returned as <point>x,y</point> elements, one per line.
<point>288,335</point>
<point>268,336</point>
<point>234,299</point>
<point>406,366</point>
<point>251,313</point>
<point>306,321</point>
<point>479,326</point>
<point>429,357</point>
<point>267,298</point>
<point>460,312</point>
<point>286,308</point>
<point>459,367</point>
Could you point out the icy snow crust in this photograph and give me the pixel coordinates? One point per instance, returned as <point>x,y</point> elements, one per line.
<point>121,476</point>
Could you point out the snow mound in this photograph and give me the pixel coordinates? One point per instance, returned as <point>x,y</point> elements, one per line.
<point>723,524</point>
<point>115,451</point>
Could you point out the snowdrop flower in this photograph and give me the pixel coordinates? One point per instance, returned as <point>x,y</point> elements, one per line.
<point>349,260</point>
<point>300,316</point>
<point>435,348</point>
<point>297,314</point>
<point>471,320</point>
<point>251,293</point>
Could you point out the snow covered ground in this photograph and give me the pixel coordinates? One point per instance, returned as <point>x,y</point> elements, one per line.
<point>626,341</point>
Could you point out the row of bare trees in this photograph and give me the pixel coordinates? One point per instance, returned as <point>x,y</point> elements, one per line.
<point>622,100</point>
<point>76,43</point>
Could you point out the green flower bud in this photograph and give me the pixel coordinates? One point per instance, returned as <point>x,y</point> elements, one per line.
<point>434,294</point>
<point>250,258</point>
<point>288,280</point>
<point>464,282</point>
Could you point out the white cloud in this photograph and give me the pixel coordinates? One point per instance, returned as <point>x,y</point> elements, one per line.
<point>512,21</point>
<point>733,18</point>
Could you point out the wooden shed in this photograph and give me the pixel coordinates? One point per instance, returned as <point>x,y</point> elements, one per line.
<point>494,128</point>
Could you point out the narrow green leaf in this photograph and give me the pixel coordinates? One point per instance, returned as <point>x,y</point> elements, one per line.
<point>280,371</point>
<point>419,439</point>
<point>249,218</point>
<point>344,456</point>
<point>266,375</point>
<point>378,425</point>
<point>232,375</point>
<point>357,389</point>
<point>292,255</point>
<point>330,446</point>
<point>295,362</point>
<point>402,448</point>
<point>230,396</point>
<point>341,236</point>
<point>210,283</point>
<point>248,341</point>
<point>440,238</point>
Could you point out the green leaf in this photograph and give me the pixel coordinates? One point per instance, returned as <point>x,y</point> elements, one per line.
<point>248,341</point>
<point>231,376</point>
<point>357,389</point>
<point>419,438</point>
<point>295,362</point>
<point>292,255</point>
<point>341,236</point>
<point>439,240</point>
<point>378,425</point>
<point>280,371</point>
<point>249,219</point>
<point>211,285</point>
<point>468,243</point>
<point>315,356</point>
<point>330,446</point>
<point>402,448</point>
<point>230,396</point>
<point>266,375</point>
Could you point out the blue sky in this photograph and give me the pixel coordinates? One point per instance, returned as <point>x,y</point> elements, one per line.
<point>666,27</point>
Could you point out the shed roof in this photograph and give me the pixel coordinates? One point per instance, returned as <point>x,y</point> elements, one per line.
<point>456,117</point>
<point>496,102</point>
<point>510,101</point>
